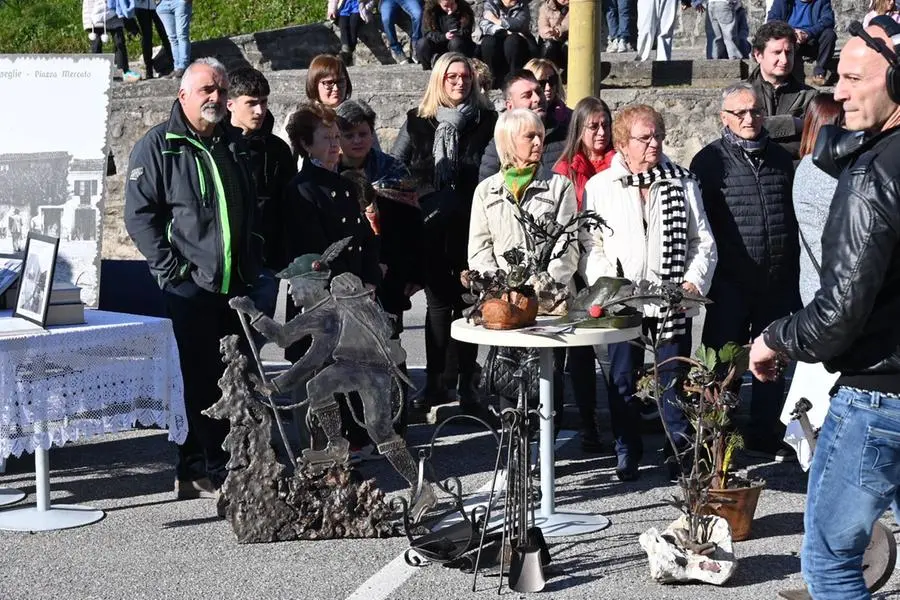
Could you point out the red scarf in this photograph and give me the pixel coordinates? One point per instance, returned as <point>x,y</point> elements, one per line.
<point>581,170</point>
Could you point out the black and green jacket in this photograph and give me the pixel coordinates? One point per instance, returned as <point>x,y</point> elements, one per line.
<point>177,214</point>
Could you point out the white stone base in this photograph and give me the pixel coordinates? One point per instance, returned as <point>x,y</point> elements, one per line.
<point>670,563</point>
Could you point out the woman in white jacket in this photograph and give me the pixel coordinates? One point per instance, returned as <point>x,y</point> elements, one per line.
<point>522,185</point>
<point>659,232</point>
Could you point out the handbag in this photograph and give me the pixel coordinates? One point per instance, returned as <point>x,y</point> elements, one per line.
<point>503,368</point>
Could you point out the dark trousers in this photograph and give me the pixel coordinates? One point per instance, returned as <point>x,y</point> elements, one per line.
<point>583,374</point>
<point>555,51</point>
<point>118,38</point>
<point>199,320</point>
<point>626,360</point>
<point>443,305</point>
<point>820,48</point>
<point>739,316</point>
<point>429,51</point>
<point>506,52</point>
<point>147,20</point>
<point>349,26</point>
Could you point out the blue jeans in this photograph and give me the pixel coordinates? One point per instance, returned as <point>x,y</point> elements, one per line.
<point>618,18</point>
<point>389,17</point>
<point>176,18</point>
<point>853,479</point>
<point>625,360</point>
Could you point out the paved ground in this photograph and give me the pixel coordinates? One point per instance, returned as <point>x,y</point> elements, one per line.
<point>150,546</point>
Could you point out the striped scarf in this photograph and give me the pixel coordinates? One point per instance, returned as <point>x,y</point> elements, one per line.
<point>674,236</point>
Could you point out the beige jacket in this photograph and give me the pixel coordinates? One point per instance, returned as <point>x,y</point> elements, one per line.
<point>493,228</point>
<point>549,16</point>
<point>641,253</point>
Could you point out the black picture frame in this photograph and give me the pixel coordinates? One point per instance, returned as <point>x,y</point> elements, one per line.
<point>36,280</point>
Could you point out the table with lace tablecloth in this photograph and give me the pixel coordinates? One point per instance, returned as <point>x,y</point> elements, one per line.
<point>71,382</point>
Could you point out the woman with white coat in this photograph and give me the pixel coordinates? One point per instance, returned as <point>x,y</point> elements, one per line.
<point>522,185</point>
<point>659,233</point>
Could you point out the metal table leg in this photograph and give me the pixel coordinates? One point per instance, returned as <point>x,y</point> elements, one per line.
<point>551,522</point>
<point>44,516</point>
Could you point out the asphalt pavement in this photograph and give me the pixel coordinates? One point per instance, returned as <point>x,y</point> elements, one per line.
<point>151,546</point>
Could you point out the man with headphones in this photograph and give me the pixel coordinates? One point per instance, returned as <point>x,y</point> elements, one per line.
<point>853,323</point>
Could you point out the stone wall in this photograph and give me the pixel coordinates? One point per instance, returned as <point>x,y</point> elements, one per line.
<point>690,113</point>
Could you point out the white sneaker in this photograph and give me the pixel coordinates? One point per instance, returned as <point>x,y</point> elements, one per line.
<point>612,45</point>
<point>626,46</point>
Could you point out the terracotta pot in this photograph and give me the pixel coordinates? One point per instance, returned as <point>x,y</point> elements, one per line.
<point>512,311</point>
<point>739,508</point>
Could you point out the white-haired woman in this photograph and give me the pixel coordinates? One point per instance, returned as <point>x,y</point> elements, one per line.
<point>442,143</point>
<point>658,232</point>
<point>522,185</point>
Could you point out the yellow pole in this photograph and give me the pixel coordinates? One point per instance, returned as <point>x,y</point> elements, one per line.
<point>584,51</point>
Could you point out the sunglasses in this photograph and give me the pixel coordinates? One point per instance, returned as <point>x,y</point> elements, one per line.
<point>553,81</point>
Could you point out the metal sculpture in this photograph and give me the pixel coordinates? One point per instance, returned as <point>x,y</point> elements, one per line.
<point>350,351</point>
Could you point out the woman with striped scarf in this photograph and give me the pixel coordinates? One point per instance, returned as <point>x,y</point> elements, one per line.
<point>659,233</point>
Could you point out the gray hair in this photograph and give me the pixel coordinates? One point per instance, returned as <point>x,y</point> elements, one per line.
<point>738,88</point>
<point>208,61</point>
<point>351,113</point>
<point>508,125</point>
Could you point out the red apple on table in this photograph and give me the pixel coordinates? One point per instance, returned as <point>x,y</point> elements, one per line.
<point>595,311</point>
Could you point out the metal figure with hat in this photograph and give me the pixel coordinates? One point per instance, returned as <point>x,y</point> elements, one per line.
<point>350,351</point>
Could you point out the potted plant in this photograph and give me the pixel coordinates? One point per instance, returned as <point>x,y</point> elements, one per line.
<point>512,298</point>
<point>716,503</point>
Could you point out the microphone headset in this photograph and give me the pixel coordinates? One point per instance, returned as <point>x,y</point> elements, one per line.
<point>835,145</point>
<point>892,29</point>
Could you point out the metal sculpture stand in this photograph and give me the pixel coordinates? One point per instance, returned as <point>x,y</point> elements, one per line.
<point>449,537</point>
<point>881,553</point>
<point>523,550</point>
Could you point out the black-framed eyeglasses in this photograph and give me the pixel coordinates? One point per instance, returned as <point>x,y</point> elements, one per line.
<point>553,81</point>
<point>659,137</point>
<point>756,113</point>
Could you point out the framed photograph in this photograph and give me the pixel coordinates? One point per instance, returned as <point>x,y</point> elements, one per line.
<point>36,280</point>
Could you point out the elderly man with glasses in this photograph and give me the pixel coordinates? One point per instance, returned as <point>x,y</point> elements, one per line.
<point>746,180</point>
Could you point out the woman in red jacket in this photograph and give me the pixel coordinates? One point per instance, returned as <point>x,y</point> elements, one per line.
<point>588,151</point>
<point>589,144</point>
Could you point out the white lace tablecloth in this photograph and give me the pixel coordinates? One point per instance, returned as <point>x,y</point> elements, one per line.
<point>85,380</point>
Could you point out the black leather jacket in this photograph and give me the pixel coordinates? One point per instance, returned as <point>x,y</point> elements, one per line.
<point>853,323</point>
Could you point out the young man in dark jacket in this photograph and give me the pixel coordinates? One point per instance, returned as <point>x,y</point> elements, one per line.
<point>522,90</point>
<point>813,25</point>
<point>189,208</point>
<point>784,98</point>
<point>746,182</point>
<point>273,168</point>
<point>852,326</point>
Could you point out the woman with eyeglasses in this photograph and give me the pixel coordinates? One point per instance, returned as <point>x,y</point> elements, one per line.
<point>657,231</point>
<point>321,207</point>
<point>327,81</point>
<point>442,143</point>
<point>547,75</point>
<point>588,151</point>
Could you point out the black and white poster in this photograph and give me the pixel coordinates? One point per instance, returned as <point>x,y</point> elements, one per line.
<point>53,159</point>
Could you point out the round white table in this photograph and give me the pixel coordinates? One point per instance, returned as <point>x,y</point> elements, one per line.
<point>10,496</point>
<point>551,522</point>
